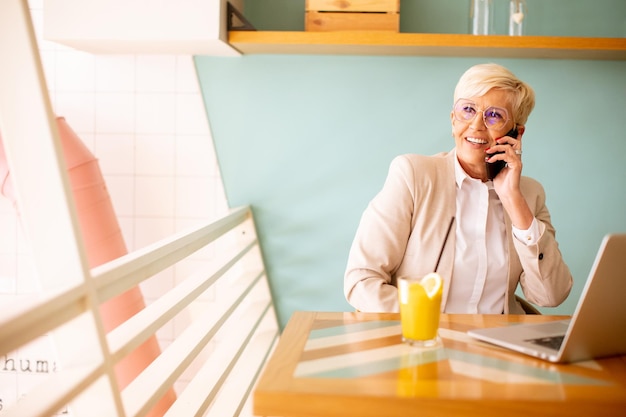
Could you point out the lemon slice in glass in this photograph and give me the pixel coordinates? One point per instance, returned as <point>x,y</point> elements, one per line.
<point>432,284</point>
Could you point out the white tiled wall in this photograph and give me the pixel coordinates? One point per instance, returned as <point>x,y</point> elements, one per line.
<point>143,118</point>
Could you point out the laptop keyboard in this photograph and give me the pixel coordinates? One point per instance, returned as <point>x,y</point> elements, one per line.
<point>553,342</point>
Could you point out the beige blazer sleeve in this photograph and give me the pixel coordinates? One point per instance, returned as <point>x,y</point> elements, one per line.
<point>540,269</point>
<point>402,230</point>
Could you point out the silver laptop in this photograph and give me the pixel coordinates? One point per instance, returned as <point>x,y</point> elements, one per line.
<point>597,327</point>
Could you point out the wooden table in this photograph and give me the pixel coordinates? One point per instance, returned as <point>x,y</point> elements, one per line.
<point>355,364</point>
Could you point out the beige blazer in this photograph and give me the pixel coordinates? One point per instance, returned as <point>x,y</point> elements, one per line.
<point>402,229</point>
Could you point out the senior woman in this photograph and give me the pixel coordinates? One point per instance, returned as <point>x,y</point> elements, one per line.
<point>502,234</point>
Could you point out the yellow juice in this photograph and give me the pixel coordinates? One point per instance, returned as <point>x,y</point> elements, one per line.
<point>419,311</point>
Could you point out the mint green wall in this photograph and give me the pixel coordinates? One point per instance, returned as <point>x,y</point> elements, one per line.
<point>599,18</point>
<point>307,140</point>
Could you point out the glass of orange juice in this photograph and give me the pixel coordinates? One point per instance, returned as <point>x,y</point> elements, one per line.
<point>420,307</point>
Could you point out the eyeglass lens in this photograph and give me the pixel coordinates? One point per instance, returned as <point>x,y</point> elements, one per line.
<point>494,117</point>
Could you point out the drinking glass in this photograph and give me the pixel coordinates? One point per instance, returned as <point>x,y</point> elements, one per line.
<point>420,308</point>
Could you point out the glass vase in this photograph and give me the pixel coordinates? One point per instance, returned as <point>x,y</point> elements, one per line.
<point>517,15</point>
<point>481,17</point>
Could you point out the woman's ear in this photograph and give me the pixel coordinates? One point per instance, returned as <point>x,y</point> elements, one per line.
<point>452,122</point>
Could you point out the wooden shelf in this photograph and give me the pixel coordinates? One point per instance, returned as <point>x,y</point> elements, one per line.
<point>426,44</point>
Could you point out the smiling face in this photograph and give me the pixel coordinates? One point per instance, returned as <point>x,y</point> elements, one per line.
<point>473,138</point>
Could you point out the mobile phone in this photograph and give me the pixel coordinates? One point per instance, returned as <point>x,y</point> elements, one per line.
<point>493,168</point>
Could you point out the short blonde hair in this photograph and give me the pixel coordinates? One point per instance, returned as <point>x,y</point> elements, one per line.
<point>479,79</point>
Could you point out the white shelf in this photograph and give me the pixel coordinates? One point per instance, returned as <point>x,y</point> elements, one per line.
<point>185,27</point>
